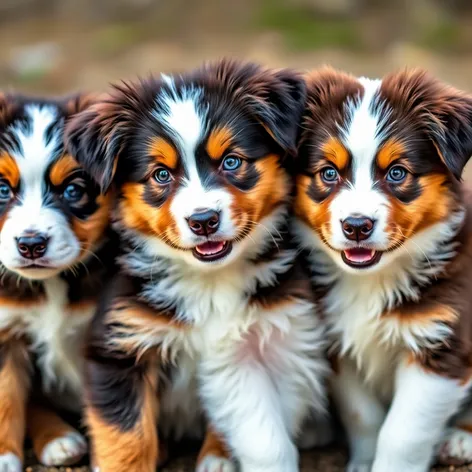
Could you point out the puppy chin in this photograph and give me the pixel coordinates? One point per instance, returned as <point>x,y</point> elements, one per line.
<point>36,273</point>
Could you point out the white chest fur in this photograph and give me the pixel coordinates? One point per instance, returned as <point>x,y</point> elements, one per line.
<point>56,335</point>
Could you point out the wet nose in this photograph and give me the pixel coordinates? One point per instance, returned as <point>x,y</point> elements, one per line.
<point>32,245</point>
<point>204,223</point>
<point>358,228</point>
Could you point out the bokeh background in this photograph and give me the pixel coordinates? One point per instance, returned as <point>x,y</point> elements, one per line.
<point>56,46</point>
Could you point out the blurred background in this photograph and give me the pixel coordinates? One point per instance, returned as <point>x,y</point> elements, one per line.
<point>55,46</point>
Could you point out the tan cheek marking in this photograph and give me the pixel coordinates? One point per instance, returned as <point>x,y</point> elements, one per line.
<point>62,169</point>
<point>316,215</point>
<point>90,231</point>
<point>432,206</point>
<point>335,152</point>
<point>218,142</point>
<point>137,214</point>
<point>9,170</point>
<point>163,152</point>
<point>390,151</point>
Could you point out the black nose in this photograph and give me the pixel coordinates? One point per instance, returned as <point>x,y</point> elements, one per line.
<point>204,223</point>
<point>32,246</point>
<point>358,228</point>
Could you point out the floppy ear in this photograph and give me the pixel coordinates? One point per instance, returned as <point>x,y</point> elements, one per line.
<point>446,111</point>
<point>452,132</point>
<point>276,98</point>
<point>95,136</point>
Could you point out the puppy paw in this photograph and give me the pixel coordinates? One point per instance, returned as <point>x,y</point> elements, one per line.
<point>359,466</point>
<point>455,448</point>
<point>66,450</point>
<point>9,462</point>
<point>212,463</point>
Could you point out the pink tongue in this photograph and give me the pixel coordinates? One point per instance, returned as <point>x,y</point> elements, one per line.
<point>359,254</point>
<point>210,247</point>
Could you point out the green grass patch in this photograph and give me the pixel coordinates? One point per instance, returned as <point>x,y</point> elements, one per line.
<point>303,30</point>
<point>443,35</point>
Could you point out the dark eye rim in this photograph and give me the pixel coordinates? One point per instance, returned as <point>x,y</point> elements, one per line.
<point>322,174</point>
<point>396,181</point>
<point>231,156</point>
<point>159,169</point>
<point>4,182</point>
<point>79,185</point>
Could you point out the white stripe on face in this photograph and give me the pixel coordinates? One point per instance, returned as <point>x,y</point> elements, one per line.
<point>185,117</point>
<point>36,152</point>
<point>362,139</point>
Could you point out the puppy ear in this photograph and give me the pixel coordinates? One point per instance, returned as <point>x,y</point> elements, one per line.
<point>275,98</point>
<point>95,136</point>
<point>452,132</point>
<point>446,111</point>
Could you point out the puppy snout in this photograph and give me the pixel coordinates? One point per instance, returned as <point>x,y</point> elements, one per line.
<point>32,245</point>
<point>204,222</point>
<point>358,228</point>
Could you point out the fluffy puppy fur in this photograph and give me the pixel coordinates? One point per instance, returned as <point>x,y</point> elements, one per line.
<point>52,261</point>
<point>211,301</point>
<point>389,230</point>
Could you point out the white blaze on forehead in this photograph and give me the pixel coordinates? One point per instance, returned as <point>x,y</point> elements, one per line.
<point>184,115</point>
<point>362,137</point>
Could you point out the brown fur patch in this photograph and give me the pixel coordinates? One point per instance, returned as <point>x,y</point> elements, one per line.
<point>14,385</point>
<point>214,445</point>
<point>9,170</point>
<point>163,152</point>
<point>218,142</point>
<point>133,451</point>
<point>62,168</point>
<point>389,152</point>
<point>90,231</point>
<point>335,151</point>
<point>44,426</point>
<point>316,215</point>
<point>432,206</point>
<point>425,315</point>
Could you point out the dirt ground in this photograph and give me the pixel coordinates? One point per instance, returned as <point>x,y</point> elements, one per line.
<point>327,460</point>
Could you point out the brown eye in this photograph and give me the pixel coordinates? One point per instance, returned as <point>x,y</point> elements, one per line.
<point>329,175</point>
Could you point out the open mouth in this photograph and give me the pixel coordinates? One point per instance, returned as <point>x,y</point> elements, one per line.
<point>360,257</point>
<point>212,250</point>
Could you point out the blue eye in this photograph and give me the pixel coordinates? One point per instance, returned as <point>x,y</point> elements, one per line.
<point>162,175</point>
<point>73,193</point>
<point>396,174</point>
<point>5,192</point>
<point>329,175</point>
<point>231,163</point>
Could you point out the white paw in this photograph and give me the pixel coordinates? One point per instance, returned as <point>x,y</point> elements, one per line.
<point>358,466</point>
<point>67,450</point>
<point>456,447</point>
<point>215,464</point>
<point>10,463</point>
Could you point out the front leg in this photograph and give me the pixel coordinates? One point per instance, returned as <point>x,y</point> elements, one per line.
<point>361,413</point>
<point>243,403</point>
<point>121,414</point>
<point>423,403</point>
<point>14,387</point>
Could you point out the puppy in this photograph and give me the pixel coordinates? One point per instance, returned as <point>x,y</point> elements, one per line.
<point>53,223</point>
<point>211,301</point>
<point>389,230</point>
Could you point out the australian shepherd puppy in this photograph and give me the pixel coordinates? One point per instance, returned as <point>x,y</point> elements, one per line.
<point>388,228</point>
<point>53,221</point>
<point>211,301</point>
